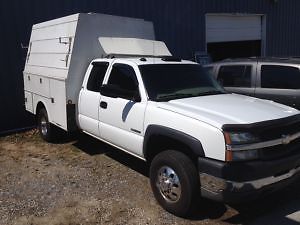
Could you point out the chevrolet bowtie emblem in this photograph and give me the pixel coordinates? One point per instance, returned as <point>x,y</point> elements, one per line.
<point>286,139</point>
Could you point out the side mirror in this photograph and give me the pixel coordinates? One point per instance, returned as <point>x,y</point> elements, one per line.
<point>115,91</point>
<point>136,97</point>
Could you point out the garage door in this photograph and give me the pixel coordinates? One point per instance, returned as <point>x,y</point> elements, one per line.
<point>229,28</point>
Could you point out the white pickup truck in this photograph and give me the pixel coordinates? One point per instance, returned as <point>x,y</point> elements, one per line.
<point>198,139</point>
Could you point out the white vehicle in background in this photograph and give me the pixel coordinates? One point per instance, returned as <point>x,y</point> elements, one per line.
<point>109,78</point>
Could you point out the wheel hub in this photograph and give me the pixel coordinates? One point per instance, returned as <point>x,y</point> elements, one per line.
<point>44,127</point>
<point>168,184</point>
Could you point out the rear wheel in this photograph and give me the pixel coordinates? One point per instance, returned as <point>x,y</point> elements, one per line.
<point>46,129</point>
<point>175,182</point>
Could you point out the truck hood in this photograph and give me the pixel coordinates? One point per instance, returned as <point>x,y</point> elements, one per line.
<point>218,110</point>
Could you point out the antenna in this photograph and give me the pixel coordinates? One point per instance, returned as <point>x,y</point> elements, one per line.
<point>153,43</point>
<point>23,46</point>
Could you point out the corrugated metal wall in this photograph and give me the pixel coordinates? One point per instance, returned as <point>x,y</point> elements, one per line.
<point>181,24</point>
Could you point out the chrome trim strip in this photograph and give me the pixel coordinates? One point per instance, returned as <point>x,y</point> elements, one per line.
<point>257,184</point>
<point>219,184</point>
<point>271,180</point>
<point>286,139</point>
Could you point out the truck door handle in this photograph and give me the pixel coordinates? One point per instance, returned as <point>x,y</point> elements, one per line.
<point>103,105</point>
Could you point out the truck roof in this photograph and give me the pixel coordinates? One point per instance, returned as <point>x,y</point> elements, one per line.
<point>61,49</point>
<point>148,60</point>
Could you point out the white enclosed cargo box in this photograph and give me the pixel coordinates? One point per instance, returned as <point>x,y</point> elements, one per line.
<point>59,53</point>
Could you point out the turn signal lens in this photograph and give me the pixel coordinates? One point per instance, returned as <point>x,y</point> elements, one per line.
<point>227,138</point>
<point>234,139</point>
<point>228,156</point>
<point>241,155</point>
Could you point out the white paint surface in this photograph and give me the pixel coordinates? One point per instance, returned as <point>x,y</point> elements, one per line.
<point>133,46</point>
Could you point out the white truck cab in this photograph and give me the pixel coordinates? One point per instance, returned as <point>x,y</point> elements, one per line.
<point>197,138</point>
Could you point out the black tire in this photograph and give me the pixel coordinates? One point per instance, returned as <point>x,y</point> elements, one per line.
<point>184,203</point>
<point>46,129</point>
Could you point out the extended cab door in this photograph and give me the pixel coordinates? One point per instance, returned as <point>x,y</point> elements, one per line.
<point>89,98</point>
<point>122,115</point>
<point>237,78</point>
<point>279,83</point>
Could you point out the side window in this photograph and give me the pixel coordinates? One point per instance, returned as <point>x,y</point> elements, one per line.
<point>281,77</point>
<point>96,76</point>
<point>123,76</point>
<point>235,76</point>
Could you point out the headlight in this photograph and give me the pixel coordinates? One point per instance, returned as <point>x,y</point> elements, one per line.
<point>235,139</point>
<point>240,138</point>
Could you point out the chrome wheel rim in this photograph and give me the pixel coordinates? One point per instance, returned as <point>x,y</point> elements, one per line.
<point>168,184</point>
<point>44,127</point>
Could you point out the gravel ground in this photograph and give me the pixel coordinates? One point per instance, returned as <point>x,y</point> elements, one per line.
<point>84,181</point>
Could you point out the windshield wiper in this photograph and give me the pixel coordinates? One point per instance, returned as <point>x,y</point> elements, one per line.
<point>214,92</point>
<point>174,96</point>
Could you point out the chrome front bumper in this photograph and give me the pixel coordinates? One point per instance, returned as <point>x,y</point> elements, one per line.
<point>243,181</point>
<point>217,184</point>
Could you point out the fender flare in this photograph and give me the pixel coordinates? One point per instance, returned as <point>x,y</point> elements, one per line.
<point>157,130</point>
<point>41,101</point>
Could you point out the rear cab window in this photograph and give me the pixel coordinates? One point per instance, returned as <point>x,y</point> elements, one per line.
<point>280,77</point>
<point>96,76</point>
<point>235,75</point>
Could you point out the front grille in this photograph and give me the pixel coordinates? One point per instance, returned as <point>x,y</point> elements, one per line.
<point>272,133</point>
<point>276,132</point>
<point>280,151</point>
<point>272,130</point>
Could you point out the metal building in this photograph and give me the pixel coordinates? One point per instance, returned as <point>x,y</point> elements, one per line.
<point>231,28</point>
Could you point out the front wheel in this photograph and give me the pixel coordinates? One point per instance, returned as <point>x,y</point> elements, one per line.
<point>174,182</point>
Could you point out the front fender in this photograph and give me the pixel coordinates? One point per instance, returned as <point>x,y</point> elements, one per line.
<point>157,130</point>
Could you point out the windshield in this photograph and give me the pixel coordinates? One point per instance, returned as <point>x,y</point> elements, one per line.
<point>166,82</point>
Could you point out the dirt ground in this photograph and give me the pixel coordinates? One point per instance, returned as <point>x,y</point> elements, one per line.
<point>83,181</point>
